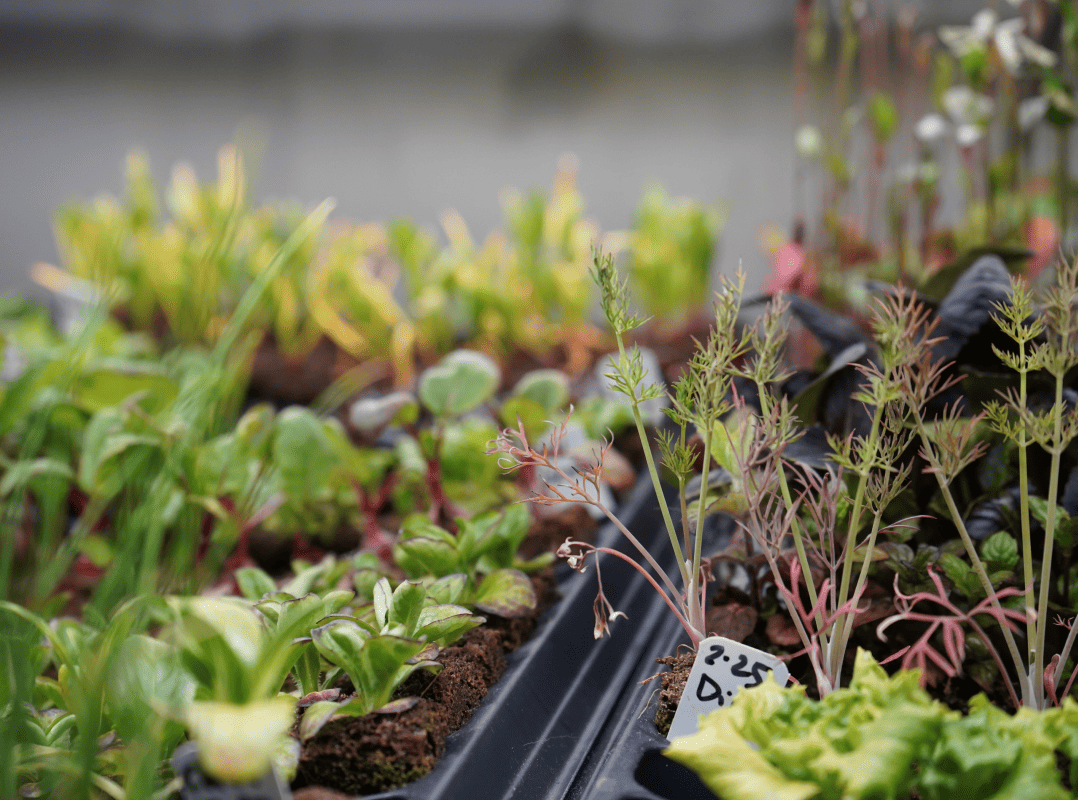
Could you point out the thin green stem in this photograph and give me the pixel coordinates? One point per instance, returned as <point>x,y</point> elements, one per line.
<point>977,565</point>
<point>654,474</point>
<point>854,519</point>
<point>848,624</point>
<point>797,535</point>
<point>644,552</point>
<point>1042,618</point>
<point>697,613</point>
<point>1025,516</point>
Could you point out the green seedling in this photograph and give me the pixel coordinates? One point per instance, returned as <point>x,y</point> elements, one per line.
<point>401,631</point>
<point>109,681</point>
<point>377,664</point>
<point>671,248</point>
<point>484,551</point>
<point>239,657</point>
<point>701,399</point>
<point>440,466</point>
<point>410,611</point>
<point>536,399</point>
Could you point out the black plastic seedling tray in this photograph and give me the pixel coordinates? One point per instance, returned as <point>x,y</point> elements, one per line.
<point>568,718</point>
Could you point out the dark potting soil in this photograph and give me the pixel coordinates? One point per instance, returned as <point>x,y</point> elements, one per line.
<point>672,683</point>
<point>362,755</point>
<point>284,381</point>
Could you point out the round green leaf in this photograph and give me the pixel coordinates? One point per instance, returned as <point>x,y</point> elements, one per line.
<point>548,388</point>
<point>459,383</point>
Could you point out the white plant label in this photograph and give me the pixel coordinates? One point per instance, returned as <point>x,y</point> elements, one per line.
<point>721,669</point>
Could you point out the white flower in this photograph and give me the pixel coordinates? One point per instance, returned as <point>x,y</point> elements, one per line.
<point>1012,46</point>
<point>963,39</point>
<point>967,107</point>
<point>931,128</point>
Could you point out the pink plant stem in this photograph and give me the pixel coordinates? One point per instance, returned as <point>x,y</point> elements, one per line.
<point>695,636</point>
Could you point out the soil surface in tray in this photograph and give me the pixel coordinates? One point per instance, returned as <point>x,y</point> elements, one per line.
<point>362,755</point>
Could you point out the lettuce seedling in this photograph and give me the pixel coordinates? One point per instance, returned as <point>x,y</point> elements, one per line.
<point>110,680</point>
<point>880,737</point>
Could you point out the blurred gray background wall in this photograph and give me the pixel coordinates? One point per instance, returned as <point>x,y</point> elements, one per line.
<point>405,107</point>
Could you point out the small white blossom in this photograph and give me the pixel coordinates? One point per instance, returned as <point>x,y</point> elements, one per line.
<point>965,105</point>
<point>931,128</point>
<point>1007,36</point>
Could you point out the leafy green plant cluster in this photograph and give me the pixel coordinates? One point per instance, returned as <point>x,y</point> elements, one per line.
<point>879,737</point>
<point>384,294</point>
<point>92,708</point>
<point>93,423</point>
<point>126,472</point>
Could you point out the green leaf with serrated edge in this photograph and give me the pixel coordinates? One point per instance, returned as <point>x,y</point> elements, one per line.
<point>741,772</point>
<point>459,383</point>
<point>955,568</point>
<point>253,582</point>
<point>1065,529</point>
<point>505,593</point>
